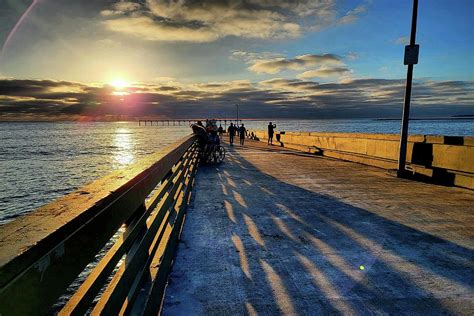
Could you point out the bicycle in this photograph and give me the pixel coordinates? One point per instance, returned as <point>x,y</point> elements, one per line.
<point>213,154</point>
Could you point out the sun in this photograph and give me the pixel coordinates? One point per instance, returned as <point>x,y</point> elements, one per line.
<point>119,83</point>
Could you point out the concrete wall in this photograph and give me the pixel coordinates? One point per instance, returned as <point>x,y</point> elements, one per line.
<point>445,159</point>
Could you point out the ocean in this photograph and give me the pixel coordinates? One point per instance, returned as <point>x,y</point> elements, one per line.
<point>40,162</point>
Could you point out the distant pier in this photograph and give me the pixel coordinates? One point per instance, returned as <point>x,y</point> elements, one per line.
<point>179,122</point>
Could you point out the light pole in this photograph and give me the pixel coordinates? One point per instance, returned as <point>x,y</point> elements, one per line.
<point>411,58</point>
<point>237,105</point>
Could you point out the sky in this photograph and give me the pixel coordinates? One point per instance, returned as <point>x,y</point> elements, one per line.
<point>105,59</point>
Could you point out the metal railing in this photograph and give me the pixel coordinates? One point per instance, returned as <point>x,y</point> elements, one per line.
<point>136,214</point>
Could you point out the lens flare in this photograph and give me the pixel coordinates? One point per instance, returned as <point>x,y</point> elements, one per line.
<point>17,25</point>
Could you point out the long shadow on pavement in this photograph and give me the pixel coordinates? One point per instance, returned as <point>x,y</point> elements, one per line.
<point>253,243</point>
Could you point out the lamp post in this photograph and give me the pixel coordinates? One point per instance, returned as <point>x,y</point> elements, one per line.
<point>411,58</point>
<point>237,105</point>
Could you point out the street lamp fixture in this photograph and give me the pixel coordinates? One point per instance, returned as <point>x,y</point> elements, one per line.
<point>237,105</point>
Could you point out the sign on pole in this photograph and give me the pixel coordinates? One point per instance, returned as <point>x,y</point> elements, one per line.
<point>411,54</point>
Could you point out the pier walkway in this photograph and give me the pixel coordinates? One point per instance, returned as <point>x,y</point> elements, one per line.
<point>272,231</point>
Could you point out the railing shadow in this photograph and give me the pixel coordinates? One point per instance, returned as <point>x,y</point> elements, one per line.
<point>307,253</point>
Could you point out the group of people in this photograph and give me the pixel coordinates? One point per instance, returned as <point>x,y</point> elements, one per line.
<point>207,136</point>
<point>233,130</point>
<point>211,134</point>
<point>242,132</point>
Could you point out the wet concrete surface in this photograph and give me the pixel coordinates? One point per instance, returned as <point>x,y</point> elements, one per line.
<point>272,232</point>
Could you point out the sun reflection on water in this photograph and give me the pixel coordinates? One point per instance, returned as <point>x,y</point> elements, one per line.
<point>124,148</point>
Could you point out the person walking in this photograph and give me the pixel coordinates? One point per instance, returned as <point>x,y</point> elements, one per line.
<point>231,130</point>
<point>271,131</point>
<point>242,134</point>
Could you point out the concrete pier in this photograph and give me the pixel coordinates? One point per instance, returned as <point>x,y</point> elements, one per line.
<point>274,231</point>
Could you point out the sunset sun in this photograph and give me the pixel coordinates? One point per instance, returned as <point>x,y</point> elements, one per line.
<point>119,83</point>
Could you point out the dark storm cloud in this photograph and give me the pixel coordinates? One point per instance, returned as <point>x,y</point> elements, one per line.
<point>279,97</point>
<point>33,87</point>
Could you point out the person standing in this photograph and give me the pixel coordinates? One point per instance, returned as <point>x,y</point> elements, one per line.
<point>271,131</point>
<point>242,134</point>
<point>231,130</point>
<point>220,130</point>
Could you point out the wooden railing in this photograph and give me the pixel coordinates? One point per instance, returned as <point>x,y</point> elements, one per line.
<point>113,240</point>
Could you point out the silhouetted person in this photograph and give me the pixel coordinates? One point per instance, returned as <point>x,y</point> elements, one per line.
<point>220,130</point>
<point>242,134</point>
<point>201,134</point>
<point>271,131</point>
<point>213,138</point>
<point>231,130</point>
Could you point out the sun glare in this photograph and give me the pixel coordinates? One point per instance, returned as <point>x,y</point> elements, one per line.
<point>119,83</point>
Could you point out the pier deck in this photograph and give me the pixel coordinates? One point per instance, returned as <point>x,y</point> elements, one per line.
<point>271,231</point>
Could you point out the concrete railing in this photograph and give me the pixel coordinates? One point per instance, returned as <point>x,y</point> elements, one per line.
<point>445,159</point>
<point>114,238</point>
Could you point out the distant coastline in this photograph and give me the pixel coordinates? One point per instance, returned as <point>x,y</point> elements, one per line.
<point>454,117</point>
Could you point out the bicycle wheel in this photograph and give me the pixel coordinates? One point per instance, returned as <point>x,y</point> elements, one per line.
<point>215,156</point>
<point>221,154</point>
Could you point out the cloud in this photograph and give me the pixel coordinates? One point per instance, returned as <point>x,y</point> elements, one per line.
<point>251,57</point>
<point>324,72</point>
<point>290,85</point>
<point>165,80</point>
<point>316,66</point>
<point>209,20</point>
<point>127,6</point>
<point>148,29</point>
<point>402,40</point>
<point>352,55</point>
<point>300,62</point>
<point>278,97</point>
<point>353,15</point>
<point>120,8</point>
